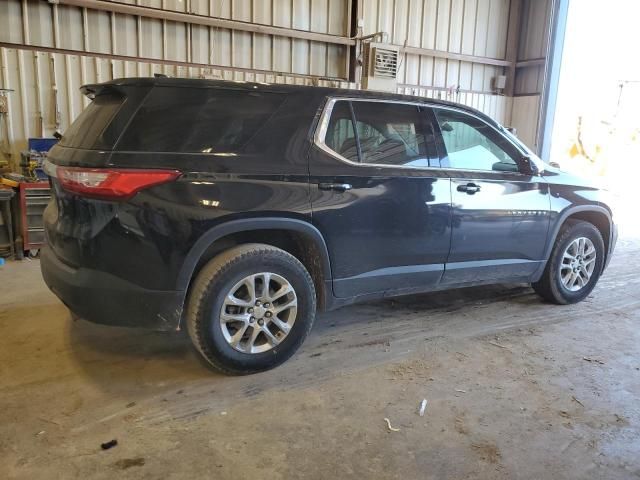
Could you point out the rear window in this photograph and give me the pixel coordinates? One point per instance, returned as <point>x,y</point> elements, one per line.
<point>206,120</point>
<point>88,130</point>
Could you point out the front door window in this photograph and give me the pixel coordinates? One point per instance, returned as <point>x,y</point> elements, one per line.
<point>474,145</point>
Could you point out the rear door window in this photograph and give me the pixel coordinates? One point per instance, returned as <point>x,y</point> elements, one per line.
<point>391,133</point>
<point>341,136</point>
<point>204,120</point>
<point>387,133</point>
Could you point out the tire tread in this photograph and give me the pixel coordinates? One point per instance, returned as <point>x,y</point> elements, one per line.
<point>546,287</point>
<point>216,268</point>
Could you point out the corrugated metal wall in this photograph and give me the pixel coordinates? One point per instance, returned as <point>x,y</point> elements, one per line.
<point>46,95</point>
<point>470,27</point>
<point>70,46</point>
<point>49,50</point>
<point>533,45</point>
<point>473,27</point>
<point>88,30</point>
<point>496,106</point>
<point>529,83</point>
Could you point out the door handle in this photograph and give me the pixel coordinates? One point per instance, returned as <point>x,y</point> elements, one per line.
<point>469,188</point>
<point>338,187</point>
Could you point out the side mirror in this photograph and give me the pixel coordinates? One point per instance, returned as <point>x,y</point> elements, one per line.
<point>505,167</point>
<point>528,167</point>
<point>446,127</point>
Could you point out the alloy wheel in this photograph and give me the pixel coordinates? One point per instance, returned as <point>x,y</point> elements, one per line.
<point>258,312</point>
<point>578,263</point>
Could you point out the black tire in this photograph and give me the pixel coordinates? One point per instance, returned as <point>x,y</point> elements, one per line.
<point>550,286</point>
<point>210,288</point>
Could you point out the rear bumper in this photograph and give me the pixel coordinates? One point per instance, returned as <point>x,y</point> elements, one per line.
<point>103,298</point>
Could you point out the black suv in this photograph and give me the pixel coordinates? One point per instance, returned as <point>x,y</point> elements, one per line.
<point>238,209</point>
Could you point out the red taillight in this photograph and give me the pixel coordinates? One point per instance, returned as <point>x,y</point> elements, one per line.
<point>108,183</point>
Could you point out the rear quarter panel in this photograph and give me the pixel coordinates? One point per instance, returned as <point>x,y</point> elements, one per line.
<point>147,238</point>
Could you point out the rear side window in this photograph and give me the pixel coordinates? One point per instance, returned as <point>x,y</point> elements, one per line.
<point>87,131</point>
<point>387,133</point>
<point>205,120</point>
<point>474,145</point>
<point>341,136</point>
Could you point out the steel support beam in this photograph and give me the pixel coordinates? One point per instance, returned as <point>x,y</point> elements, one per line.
<point>454,56</point>
<point>355,14</point>
<point>552,77</point>
<point>534,62</point>
<point>158,61</point>
<point>513,42</point>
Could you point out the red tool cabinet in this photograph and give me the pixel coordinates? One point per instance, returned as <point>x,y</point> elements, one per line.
<point>33,198</point>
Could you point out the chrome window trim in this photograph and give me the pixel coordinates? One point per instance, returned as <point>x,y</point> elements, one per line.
<point>325,116</point>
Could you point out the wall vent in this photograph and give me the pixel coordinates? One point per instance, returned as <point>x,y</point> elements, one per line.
<point>380,67</point>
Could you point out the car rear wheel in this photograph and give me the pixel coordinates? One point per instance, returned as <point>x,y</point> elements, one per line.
<point>575,264</point>
<point>250,308</point>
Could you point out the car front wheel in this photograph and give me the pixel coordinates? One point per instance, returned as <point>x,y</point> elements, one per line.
<point>575,264</point>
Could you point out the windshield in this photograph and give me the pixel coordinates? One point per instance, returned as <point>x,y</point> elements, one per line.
<point>534,157</point>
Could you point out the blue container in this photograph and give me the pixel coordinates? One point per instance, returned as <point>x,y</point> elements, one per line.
<point>42,144</point>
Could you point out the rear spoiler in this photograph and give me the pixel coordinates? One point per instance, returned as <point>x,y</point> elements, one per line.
<point>93,90</point>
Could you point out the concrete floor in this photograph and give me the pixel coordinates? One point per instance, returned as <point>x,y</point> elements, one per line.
<point>516,389</point>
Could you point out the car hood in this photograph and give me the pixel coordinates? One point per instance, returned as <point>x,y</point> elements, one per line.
<point>559,177</point>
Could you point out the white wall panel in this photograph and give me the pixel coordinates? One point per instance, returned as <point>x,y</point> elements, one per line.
<point>98,31</point>
<point>46,82</point>
<point>524,118</point>
<point>496,106</point>
<point>68,38</point>
<point>11,30</point>
<point>118,34</point>
<point>533,45</point>
<point>40,24</point>
<point>534,31</point>
<point>472,27</point>
<point>280,13</point>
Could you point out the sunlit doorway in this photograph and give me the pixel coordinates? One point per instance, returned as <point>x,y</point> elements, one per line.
<point>597,120</point>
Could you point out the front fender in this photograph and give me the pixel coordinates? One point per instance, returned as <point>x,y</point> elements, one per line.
<point>562,218</point>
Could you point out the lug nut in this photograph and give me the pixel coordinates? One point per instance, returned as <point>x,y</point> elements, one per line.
<point>250,310</point>
<point>257,303</point>
<point>252,319</point>
<point>267,314</point>
<point>266,305</point>
<point>261,322</point>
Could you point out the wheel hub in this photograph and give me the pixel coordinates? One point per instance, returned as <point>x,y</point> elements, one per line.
<point>578,263</point>
<point>258,312</point>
